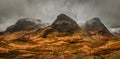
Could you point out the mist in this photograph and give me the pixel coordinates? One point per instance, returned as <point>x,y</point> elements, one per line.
<point>48,10</point>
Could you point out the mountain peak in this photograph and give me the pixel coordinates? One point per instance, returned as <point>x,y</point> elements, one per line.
<point>97,29</point>
<point>63,17</point>
<point>64,23</point>
<point>25,24</point>
<point>36,21</point>
<point>94,21</point>
<point>62,14</point>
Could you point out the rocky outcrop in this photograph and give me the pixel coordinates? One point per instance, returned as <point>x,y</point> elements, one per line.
<point>1,33</point>
<point>64,23</point>
<point>98,30</point>
<point>25,24</point>
<point>94,26</point>
<point>64,26</point>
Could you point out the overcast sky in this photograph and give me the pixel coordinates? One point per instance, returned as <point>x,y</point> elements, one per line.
<point>48,10</point>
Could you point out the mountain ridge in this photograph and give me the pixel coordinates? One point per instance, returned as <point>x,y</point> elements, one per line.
<point>59,41</point>
<point>98,30</point>
<point>64,23</point>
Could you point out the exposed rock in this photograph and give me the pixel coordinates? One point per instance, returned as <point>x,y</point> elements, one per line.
<point>95,24</point>
<point>62,26</point>
<point>47,31</point>
<point>1,33</point>
<point>25,24</point>
<point>64,23</point>
<point>98,30</point>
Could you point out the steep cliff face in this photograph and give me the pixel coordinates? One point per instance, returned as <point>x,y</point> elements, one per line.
<point>64,26</point>
<point>98,30</point>
<point>63,39</point>
<point>64,23</point>
<point>25,24</point>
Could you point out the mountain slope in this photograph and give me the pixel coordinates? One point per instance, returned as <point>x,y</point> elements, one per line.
<point>98,30</point>
<point>25,24</point>
<point>65,23</point>
<point>64,26</point>
<point>58,41</point>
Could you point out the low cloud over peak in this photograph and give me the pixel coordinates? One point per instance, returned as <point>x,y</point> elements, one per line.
<point>47,10</point>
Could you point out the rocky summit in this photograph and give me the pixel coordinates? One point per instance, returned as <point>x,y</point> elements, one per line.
<point>64,23</point>
<point>64,39</point>
<point>25,24</point>
<point>98,30</point>
<point>62,26</point>
<point>95,23</point>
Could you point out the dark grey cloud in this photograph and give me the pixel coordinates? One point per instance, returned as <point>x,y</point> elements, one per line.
<point>47,10</point>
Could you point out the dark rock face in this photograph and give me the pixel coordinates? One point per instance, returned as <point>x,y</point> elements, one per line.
<point>96,25</point>
<point>1,33</point>
<point>98,30</point>
<point>24,24</point>
<point>64,23</point>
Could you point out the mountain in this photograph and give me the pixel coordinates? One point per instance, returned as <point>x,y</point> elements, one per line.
<point>25,24</point>
<point>64,26</point>
<point>64,23</point>
<point>98,30</point>
<point>63,39</point>
<point>1,33</point>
